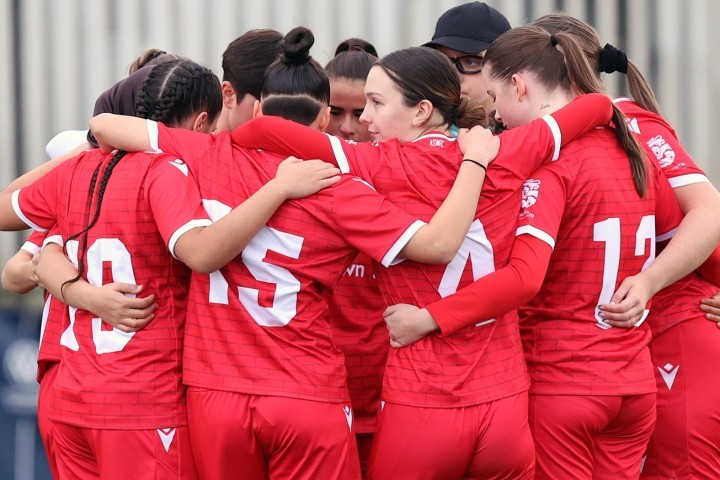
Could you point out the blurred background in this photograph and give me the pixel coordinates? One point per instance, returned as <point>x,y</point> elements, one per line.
<point>57,56</point>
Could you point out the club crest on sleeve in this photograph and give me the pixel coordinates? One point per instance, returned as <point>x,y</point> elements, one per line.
<point>530,191</point>
<point>180,165</point>
<point>662,150</point>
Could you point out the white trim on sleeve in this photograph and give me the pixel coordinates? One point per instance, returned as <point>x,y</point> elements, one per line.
<point>30,247</point>
<point>199,222</point>
<point>339,153</point>
<point>666,236</point>
<point>15,198</point>
<point>537,233</point>
<point>56,239</point>
<point>689,179</point>
<point>153,136</point>
<point>557,135</point>
<point>390,257</point>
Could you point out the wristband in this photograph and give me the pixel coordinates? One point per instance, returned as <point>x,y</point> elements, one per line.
<point>476,163</point>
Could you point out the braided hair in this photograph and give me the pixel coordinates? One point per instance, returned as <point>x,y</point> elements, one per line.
<point>171,93</point>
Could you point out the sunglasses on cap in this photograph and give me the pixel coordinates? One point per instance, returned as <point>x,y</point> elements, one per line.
<point>467,64</point>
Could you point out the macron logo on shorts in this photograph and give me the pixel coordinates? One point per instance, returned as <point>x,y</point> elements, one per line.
<point>668,373</point>
<point>348,415</point>
<point>166,437</point>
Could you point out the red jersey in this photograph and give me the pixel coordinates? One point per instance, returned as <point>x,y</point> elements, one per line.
<point>679,301</point>
<point>260,324</point>
<point>479,363</point>
<point>585,206</point>
<point>108,378</point>
<point>356,318</point>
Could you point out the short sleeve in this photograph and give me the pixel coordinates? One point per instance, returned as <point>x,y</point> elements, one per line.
<point>174,199</point>
<point>542,205</point>
<point>370,222</point>
<point>36,203</point>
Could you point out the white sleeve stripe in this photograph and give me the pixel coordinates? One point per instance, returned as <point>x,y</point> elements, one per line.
<point>183,230</point>
<point>30,247</point>
<point>153,136</point>
<point>688,179</point>
<point>537,233</point>
<point>665,236</point>
<point>15,198</point>
<point>56,239</point>
<point>339,153</point>
<point>557,136</point>
<point>390,257</point>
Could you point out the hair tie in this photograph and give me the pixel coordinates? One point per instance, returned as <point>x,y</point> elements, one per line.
<point>553,40</point>
<point>612,60</point>
<point>156,55</point>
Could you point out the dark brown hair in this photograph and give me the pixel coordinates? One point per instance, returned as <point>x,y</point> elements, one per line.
<point>557,60</point>
<point>245,60</point>
<point>353,60</point>
<point>295,86</point>
<point>421,73</point>
<point>586,35</point>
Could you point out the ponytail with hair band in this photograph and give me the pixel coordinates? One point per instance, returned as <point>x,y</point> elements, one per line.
<point>612,59</point>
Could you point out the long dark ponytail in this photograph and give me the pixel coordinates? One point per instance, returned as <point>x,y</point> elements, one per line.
<point>172,92</point>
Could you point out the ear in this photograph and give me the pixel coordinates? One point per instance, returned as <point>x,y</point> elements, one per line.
<point>257,109</point>
<point>424,111</point>
<point>323,119</point>
<point>201,122</point>
<point>228,95</point>
<point>520,86</point>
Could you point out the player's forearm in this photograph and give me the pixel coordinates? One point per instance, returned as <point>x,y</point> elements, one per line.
<point>696,238</point>
<point>17,276</point>
<point>53,270</point>
<point>284,137</point>
<point>439,241</point>
<point>207,249</point>
<point>499,292</point>
<point>120,131</point>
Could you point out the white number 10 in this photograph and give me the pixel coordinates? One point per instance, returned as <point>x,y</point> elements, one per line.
<point>102,250</point>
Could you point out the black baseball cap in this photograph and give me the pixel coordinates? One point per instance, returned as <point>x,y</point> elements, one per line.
<point>469,28</point>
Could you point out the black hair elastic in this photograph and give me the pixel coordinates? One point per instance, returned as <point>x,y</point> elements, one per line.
<point>612,59</point>
<point>553,40</point>
<point>476,163</point>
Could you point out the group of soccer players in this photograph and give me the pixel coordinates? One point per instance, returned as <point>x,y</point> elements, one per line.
<point>212,301</point>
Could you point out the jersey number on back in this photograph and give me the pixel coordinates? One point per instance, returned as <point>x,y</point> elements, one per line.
<point>479,251</point>
<point>284,306</point>
<point>609,231</point>
<point>102,250</point>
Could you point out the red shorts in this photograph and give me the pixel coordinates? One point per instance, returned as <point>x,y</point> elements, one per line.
<point>591,437</point>
<point>364,445</point>
<point>87,453</point>
<point>686,442</point>
<point>235,435</point>
<point>44,424</point>
<point>487,441</point>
